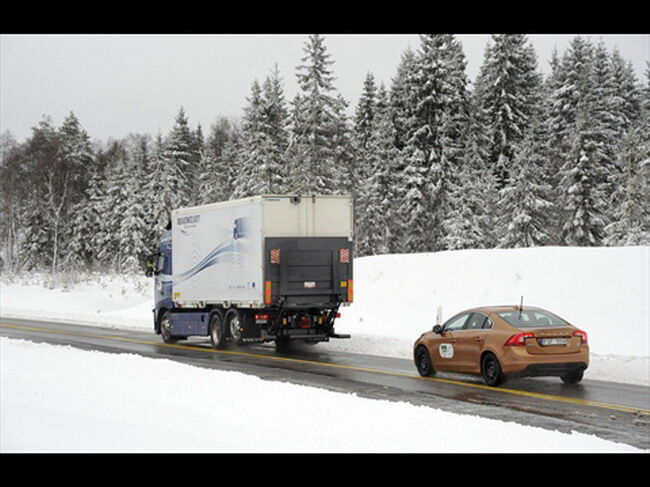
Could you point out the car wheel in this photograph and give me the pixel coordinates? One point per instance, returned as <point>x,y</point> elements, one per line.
<point>572,377</point>
<point>491,370</point>
<point>423,362</point>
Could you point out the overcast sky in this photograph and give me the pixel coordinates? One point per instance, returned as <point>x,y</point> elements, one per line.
<point>118,84</point>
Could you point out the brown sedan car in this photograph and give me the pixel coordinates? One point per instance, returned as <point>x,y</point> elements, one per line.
<point>499,341</point>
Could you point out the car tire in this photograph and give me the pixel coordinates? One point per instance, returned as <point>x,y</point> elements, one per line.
<point>423,362</point>
<point>572,377</point>
<point>491,370</point>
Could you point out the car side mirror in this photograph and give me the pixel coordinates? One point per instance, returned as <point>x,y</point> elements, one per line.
<point>437,329</point>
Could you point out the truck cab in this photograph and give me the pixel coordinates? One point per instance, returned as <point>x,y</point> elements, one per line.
<point>162,273</point>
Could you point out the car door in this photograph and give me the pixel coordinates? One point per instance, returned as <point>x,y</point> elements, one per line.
<point>469,343</point>
<point>444,353</point>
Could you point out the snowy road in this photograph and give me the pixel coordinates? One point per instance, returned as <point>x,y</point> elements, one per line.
<point>611,411</point>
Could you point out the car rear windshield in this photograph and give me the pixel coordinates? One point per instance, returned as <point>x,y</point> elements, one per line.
<point>532,318</point>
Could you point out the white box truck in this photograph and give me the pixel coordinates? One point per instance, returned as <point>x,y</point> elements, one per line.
<point>264,268</point>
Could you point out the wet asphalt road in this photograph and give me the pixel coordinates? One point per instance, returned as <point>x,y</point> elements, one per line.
<point>616,412</point>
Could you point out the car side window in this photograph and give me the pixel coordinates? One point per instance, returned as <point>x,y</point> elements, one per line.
<point>456,323</point>
<point>487,324</point>
<point>475,322</point>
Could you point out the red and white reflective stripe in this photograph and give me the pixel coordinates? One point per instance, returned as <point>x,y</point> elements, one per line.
<point>344,256</point>
<point>275,256</point>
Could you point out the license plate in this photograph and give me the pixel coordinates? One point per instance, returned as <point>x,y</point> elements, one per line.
<point>310,284</point>
<point>549,342</point>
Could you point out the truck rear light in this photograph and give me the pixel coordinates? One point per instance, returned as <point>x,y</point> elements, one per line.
<point>267,292</point>
<point>582,335</point>
<point>275,256</point>
<point>350,291</point>
<point>338,315</point>
<point>344,256</point>
<point>305,322</point>
<point>518,340</point>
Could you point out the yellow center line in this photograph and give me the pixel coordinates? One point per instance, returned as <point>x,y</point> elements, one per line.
<point>503,390</point>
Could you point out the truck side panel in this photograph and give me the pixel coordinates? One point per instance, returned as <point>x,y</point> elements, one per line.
<point>216,253</point>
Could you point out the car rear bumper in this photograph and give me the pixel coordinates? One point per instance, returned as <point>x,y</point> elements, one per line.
<point>551,369</point>
<point>520,362</point>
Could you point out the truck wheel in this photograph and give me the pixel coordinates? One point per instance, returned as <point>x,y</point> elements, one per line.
<point>281,344</point>
<point>165,329</point>
<point>235,323</point>
<point>217,330</point>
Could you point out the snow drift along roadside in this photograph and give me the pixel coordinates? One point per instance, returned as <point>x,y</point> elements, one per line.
<point>61,399</point>
<point>605,291</point>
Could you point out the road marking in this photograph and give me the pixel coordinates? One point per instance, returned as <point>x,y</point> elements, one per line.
<point>535,395</point>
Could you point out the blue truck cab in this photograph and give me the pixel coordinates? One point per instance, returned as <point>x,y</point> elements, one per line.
<point>162,270</point>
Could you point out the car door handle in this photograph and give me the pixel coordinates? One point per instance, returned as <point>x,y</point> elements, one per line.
<point>478,339</point>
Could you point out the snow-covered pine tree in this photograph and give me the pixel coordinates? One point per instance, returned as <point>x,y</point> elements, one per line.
<point>344,178</point>
<point>34,244</point>
<point>217,167</point>
<point>435,146</point>
<point>524,207</point>
<point>571,81</point>
<point>471,221</point>
<point>583,196</point>
<point>505,86</point>
<point>275,122</point>
<point>167,187</point>
<point>252,176</point>
<point>364,116</point>
<point>111,206</point>
<point>132,229</point>
<point>402,98</point>
<point>315,121</point>
<point>630,202</point>
<point>376,225</point>
<point>179,154</point>
<point>627,92</point>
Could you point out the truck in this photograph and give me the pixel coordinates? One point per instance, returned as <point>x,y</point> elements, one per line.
<point>259,269</point>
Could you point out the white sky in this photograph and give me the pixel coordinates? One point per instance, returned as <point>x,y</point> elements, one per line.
<point>117,84</point>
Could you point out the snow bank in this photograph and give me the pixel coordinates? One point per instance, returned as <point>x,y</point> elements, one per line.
<point>61,399</point>
<point>604,291</point>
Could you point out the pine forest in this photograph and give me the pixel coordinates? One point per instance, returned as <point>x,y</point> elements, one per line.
<point>433,161</point>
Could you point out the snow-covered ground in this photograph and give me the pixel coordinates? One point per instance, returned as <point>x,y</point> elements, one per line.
<point>62,399</point>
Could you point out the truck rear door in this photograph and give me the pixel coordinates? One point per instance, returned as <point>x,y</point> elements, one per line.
<point>308,271</point>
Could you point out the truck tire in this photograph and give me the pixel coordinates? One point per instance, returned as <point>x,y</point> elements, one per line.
<point>165,329</point>
<point>235,325</point>
<point>281,344</point>
<point>217,330</point>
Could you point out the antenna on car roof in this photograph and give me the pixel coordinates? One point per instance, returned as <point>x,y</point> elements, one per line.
<point>521,306</point>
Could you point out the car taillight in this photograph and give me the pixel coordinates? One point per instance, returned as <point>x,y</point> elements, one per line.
<point>518,340</point>
<point>581,334</point>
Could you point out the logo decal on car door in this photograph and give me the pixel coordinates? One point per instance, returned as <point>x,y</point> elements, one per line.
<point>446,350</point>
